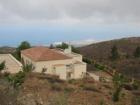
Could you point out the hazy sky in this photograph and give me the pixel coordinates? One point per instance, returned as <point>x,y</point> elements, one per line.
<point>47,21</point>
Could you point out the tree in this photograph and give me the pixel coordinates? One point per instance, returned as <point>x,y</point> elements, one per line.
<point>137,52</point>
<point>114,53</point>
<point>118,81</point>
<point>22,46</point>
<point>76,50</point>
<point>2,66</point>
<point>65,45</point>
<point>62,46</point>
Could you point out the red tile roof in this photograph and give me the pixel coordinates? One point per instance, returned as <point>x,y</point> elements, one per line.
<point>43,54</point>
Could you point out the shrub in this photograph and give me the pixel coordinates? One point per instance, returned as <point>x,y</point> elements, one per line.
<point>135,85</point>
<point>6,74</point>
<point>59,100</point>
<point>102,102</point>
<point>99,67</point>
<point>28,67</point>
<point>137,52</point>
<point>56,87</point>
<point>87,60</point>
<point>71,81</point>
<point>2,66</point>
<point>90,87</point>
<point>54,79</point>
<point>114,53</point>
<point>118,81</point>
<point>17,79</point>
<point>69,89</point>
<point>116,95</point>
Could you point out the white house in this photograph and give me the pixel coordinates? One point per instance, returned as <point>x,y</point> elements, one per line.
<point>63,63</point>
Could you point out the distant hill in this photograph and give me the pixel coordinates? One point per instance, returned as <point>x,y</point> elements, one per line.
<point>101,52</point>
<point>6,49</point>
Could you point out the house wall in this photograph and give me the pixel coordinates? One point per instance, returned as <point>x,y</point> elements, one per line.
<point>46,64</point>
<point>12,65</point>
<point>27,60</point>
<point>50,65</point>
<point>61,71</point>
<point>77,58</point>
<point>79,70</point>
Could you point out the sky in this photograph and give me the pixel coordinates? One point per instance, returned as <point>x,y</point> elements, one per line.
<point>47,21</point>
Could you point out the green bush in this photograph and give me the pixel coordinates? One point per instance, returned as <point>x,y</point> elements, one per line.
<point>17,79</point>
<point>87,60</point>
<point>118,81</point>
<point>115,53</point>
<point>99,66</point>
<point>2,66</point>
<point>71,81</point>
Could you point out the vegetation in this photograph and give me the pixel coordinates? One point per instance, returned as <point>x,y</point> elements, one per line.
<point>62,46</point>
<point>28,67</point>
<point>90,87</point>
<point>114,53</point>
<point>118,80</point>
<point>87,60</point>
<point>65,45</point>
<point>17,79</point>
<point>137,52</point>
<point>99,66</point>
<point>22,46</point>
<point>102,102</point>
<point>126,64</point>
<point>60,100</point>
<point>56,86</point>
<point>2,66</point>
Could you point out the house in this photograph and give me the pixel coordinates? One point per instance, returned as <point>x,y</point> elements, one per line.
<point>63,63</point>
<point>12,65</point>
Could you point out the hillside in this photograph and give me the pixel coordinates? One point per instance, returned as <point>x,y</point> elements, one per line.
<point>6,49</point>
<point>127,64</point>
